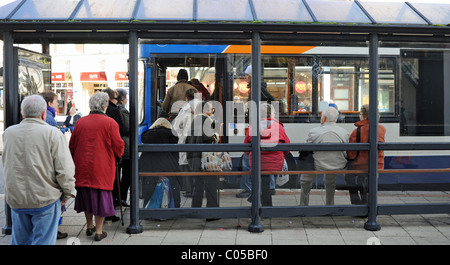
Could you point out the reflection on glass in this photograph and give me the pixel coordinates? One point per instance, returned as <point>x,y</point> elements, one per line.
<point>34,72</point>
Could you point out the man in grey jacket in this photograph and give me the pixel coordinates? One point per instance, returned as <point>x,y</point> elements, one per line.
<point>39,175</point>
<point>327,132</point>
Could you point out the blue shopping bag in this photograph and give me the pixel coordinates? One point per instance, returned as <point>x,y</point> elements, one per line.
<point>156,199</point>
<point>161,190</point>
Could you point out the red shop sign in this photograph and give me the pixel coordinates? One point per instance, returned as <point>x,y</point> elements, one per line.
<point>121,76</point>
<point>93,76</point>
<point>58,77</point>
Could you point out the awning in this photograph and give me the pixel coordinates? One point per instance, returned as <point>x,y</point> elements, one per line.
<point>121,76</point>
<point>61,77</point>
<point>93,77</point>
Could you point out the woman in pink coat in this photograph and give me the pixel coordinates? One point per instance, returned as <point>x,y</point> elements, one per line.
<point>271,132</point>
<point>95,145</point>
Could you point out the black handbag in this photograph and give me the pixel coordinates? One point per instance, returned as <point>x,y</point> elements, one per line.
<point>358,139</point>
<point>306,160</point>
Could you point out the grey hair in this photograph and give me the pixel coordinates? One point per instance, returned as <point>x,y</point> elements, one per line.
<point>33,106</point>
<point>99,101</point>
<point>331,113</point>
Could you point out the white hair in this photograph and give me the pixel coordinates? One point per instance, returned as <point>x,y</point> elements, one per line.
<point>248,70</point>
<point>161,122</point>
<point>331,114</point>
<point>33,106</point>
<point>99,101</point>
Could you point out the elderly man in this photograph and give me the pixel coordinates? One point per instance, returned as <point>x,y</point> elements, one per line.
<point>39,175</point>
<point>327,132</point>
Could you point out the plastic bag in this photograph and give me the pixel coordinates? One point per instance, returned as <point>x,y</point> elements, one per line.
<point>284,178</point>
<point>162,196</point>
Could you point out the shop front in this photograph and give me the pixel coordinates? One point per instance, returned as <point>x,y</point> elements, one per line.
<point>62,85</point>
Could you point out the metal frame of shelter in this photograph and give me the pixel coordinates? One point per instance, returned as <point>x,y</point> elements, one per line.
<point>32,21</point>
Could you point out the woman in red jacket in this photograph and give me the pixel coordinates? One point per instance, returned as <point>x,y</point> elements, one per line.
<point>95,145</point>
<point>272,132</point>
<point>358,182</point>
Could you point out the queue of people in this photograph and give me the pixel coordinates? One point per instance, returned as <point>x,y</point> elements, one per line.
<point>88,167</point>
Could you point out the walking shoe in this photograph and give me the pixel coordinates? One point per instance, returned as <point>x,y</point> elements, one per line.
<point>99,237</point>
<point>112,218</point>
<point>90,231</point>
<point>61,235</point>
<point>244,194</point>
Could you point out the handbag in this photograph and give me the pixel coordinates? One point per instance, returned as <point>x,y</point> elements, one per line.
<point>306,160</point>
<point>283,178</point>
<point>227,163</point>
<point>358,139</point>
<point>216,161</point>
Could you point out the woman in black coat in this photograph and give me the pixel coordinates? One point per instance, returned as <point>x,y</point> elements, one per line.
<point>160,133</point>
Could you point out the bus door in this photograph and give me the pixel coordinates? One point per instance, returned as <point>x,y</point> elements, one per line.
<point>208,69</point>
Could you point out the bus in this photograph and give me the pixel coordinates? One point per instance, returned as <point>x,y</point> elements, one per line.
<point>304,80</point>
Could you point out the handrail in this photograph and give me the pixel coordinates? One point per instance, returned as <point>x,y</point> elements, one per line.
<point>343,171</point>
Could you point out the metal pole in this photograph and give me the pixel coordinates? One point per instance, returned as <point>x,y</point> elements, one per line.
<point>372,223</point>
<point>11,102</point>
<point>134,227</point>
<point>256,225</point>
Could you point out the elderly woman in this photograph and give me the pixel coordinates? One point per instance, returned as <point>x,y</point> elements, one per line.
<point>95,145</point>
<point>271,132</point>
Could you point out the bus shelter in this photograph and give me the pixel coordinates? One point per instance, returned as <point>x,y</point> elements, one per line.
<point>376,27</point>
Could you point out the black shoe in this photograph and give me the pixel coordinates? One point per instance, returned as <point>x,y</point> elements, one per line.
<point>125,204</point>
<point>61,235</point>
<point>244,194</point>
<point>212,219</point>
<point>90,231</point>
<point>112,218</point>
<point>99,237</point>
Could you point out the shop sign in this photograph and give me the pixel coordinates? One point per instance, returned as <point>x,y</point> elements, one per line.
<point>121,76</point>
<point>93,76</point>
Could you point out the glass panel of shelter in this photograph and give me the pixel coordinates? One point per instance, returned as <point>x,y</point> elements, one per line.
<point>282,10</point>
<point>282,73</point>
<point>106,9</point>
<point>383,12</point>
<point>165,10</point>
<point>45,9</point>
<point>338,11</point>
<point>7,6</point>
<point>419,176</point>
<point>435,13</point>
<point>238,10</point>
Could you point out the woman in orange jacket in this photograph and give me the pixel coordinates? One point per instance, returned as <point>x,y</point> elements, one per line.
<point>358,182</point>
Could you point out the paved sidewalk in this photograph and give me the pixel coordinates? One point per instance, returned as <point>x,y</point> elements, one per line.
<point>336,230</point>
